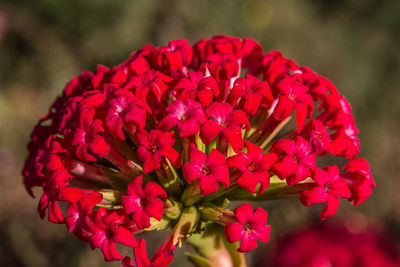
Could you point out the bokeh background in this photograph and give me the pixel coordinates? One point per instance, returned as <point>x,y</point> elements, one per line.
<point>44,43</point>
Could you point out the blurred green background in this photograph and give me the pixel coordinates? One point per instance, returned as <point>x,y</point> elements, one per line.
<point>44,43</point>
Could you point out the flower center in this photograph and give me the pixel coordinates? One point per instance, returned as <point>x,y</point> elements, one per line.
<point>184,116</point>
<point>247,227</point>
<point>252,166</point>
<point>223,124</point>
<point>89,138</point>
<point>318,136</point>
<point>143,202</point>
<point>108,233</point>
<point>249,90</point>
<point>153,148</point>
<point>205,170</point>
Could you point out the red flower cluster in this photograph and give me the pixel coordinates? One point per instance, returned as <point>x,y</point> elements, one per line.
<point>339,244</point>
<point>127,147</point>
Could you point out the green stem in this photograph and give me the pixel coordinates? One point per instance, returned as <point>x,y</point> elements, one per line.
<point>277,189</point>
<point>214,250</point>
<point>221,192</point>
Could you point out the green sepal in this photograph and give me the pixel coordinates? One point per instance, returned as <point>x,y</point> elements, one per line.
<point>187,225</point>
<point>192,194</point>
<point>172,208</point>
<point>221,202</point>
<point>170,179</point>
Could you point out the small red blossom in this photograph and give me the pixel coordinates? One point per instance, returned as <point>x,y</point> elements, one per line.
<point>76,213</point>
<point>188,116</point>
<point>105,230</point>
<point>50,198</point>
<point>329,187</point>
<point>173,57</point>
<point>250,93</point>
<point>254,166</point>
<point>150,81</point>
<point>155,145</point>
<point>197,87</point>
<point>295,159</point>
<point>209,170</point>
<point>315,132</point>
<point>125,112</point>
<point>161,258</point>
<point>88,138</point>
<point>221,44</point>
<point>293,95</point>
<point>143,203</point>
<point>223,119</point>
<point>344,145</point>
<point>358,176</point>
<point>249,228</point>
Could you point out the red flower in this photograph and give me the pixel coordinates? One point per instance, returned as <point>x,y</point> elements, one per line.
<point>53,156</point>
<point>222,67</point>
<point>330,186</point>
<point>197,87</point>
<point>209,170</point>
<point>293,95</point>
<point>155,82</point>
<point>50,198</point>
<point>344,145</point>
<point>105,230</point>
<point>77,212</point>
<point>143,203</point>
<point>254,167</point>
<point>249,228</point>
<point>173,57</point>
<point>161,258</point>
<point>358,176</point>
<point>295,159</point>
<point>228,122</point>
<point>219,44</point>
<point>188,115</point>
<point>275,67</point>
<point>154,146</point>
<point>250,93</point>
<point>315,131</point>
<point>125,112</point>
<point>88,139</point>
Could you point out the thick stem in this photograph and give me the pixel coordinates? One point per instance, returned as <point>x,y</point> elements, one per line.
<point>214,250</point>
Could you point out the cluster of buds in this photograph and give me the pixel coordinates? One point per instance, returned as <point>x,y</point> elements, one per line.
<point>342,244</point>
<point>170,136</point>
